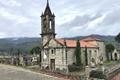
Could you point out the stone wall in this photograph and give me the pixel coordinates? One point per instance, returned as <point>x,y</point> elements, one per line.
<point>102,51</point>
<point>66,56</point>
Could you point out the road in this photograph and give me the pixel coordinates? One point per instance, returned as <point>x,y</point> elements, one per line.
<point>15,73</point>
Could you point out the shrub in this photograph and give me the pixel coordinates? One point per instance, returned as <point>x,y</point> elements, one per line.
<point>97,74</point>
<point>74,67</point>
<point>57,69</point>
<point>61,71</point>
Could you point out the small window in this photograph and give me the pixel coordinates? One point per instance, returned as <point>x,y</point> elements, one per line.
<point>52,51</point>
<point>93,60</point>
<point>50,25</point>
<point>90,51</point>
<point>95,51</point>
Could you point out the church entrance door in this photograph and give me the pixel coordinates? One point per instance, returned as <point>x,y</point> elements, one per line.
<point>52,64</point>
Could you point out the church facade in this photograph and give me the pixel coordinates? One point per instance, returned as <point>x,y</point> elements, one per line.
<point>60,53</point>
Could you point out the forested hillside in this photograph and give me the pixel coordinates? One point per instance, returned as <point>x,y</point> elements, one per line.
<point>26,44</point>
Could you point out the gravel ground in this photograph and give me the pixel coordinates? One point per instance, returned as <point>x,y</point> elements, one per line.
<point>15,73</point>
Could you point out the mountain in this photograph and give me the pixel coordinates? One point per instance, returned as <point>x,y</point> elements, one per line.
<point>102,37</point>
<point>13,44</point>
<point>26,44</point>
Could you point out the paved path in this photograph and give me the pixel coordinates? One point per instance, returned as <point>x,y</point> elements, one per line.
<point>15,73</point>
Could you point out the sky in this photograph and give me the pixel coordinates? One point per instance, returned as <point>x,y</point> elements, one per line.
<point>21,18</point>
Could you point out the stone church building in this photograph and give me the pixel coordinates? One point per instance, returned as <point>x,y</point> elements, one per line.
<point>59,53</point>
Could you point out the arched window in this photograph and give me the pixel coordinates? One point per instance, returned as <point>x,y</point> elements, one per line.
<point>93,60</point>
<point>90,52</point>
<point>52,51</point>
<point>95,51</point>
<point>50,24</point>
<point>116,57</point>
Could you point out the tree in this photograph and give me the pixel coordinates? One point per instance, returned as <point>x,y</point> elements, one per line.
<point>11,51</point>
<point>86,56</point>
<point>117,38</point>
<point>109,49</point>
<point>35,50</point>
<point>18,56</point>
<point>19,52</point>
<point>78,53</point>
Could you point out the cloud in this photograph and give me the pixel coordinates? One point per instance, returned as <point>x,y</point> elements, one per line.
<point>2,35</point>
<point>112,17</point>
<point>10,3</point>
<point>81,21</point>
<point>92,17</point>
<point>99,23</point>
<point>73,17</point>
<point>13,17</point>
<point>96,22</point>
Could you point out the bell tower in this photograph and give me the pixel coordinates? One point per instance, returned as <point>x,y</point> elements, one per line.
<point>47,25</point>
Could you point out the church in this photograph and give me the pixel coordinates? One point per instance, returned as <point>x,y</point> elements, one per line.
<point>60,53</point>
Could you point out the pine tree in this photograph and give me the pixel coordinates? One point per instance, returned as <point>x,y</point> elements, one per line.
<point>18,58</point>
<point>78,54</point>
<point>117,38</point>
<point>86,56</point>
<point>109,49</point>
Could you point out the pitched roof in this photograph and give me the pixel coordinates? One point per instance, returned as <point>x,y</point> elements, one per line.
<point>47,9</point>
<point>69,43</point>
<point>72,43</point>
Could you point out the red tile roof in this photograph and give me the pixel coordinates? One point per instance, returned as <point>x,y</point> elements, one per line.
<point>72,43</point>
